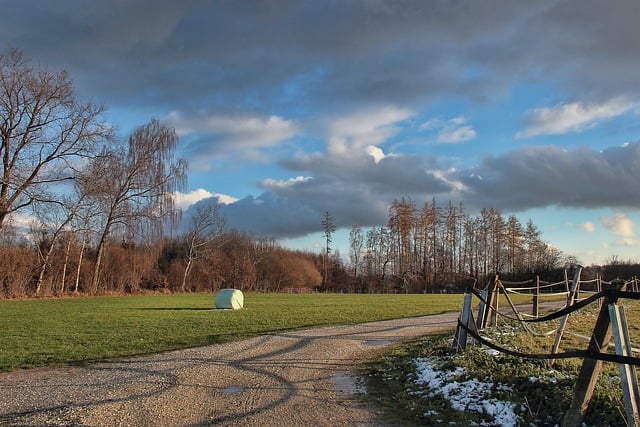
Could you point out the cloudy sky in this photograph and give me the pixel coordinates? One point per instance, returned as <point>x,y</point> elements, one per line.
<point>286,109</point>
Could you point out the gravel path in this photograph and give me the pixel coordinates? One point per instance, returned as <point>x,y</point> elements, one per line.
<point>295,379</point>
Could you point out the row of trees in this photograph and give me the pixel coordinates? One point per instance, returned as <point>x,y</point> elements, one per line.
<point>208,257</point>
<point>430,247</point>
<point>231,260</point>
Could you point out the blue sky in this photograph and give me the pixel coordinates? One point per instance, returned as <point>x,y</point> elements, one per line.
<point>287,109</point>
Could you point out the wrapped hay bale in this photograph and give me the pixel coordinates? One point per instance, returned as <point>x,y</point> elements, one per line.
<point>230,299</point>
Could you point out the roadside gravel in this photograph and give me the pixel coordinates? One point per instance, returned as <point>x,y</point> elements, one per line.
<point>294,378</point>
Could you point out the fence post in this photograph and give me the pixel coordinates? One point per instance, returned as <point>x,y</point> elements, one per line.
<point>599,284</point>
<point>492,308</point>
<point>482,309</point>
<point>460,337</point>
<point>536,292</point>
<point>488,308</point>
<point>591,368</point>
<point>628,377</point>
<point>563,320</point>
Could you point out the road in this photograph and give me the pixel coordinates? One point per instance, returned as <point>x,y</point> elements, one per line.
<point>294,378</point>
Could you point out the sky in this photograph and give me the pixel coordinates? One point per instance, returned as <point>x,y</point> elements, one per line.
<point>289,109</point>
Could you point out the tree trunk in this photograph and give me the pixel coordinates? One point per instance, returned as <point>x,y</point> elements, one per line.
<point>45,263</point>
<point>79,265</point>
<point>64,267</point>
<point>95,281</point>
<point>187,270</point>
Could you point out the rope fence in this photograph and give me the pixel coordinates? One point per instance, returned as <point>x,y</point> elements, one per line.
<point>611,322</point>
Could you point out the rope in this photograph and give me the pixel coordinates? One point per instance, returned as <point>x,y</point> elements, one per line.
<point>522,321</point>
<point>549,285</point>
<point>546,294</point>
<point>574,307</point>
<point>585,354</point>
<point>516,283</point>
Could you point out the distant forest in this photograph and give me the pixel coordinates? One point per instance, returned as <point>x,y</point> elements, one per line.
<point>99,208</point>
<point>427,249</point>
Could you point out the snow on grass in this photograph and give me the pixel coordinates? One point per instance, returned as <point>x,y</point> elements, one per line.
<point>465,395</point>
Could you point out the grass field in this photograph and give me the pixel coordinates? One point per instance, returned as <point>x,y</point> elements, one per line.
<point>50,332</point>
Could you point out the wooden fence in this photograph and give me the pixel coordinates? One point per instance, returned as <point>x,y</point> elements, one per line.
<point>610,323</point>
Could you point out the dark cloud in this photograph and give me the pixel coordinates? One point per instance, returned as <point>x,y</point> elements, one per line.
<point>546,176</point>
<point>394,175</point>
<point>227,54</point>
<point>356,192</point>
<point>516,181</point>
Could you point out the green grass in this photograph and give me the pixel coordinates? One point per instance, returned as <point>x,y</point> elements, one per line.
<point>49,332</point>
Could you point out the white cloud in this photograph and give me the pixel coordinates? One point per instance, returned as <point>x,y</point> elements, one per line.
<point>278,183</point>
<point>375,152</point>
<point>236,131</point>
<point>456,135</point>
<point>630,242</point>
<point>431,124</point>
<point>588,226</point>
<point>362,123</point>
<point>619,224</point>
<point>365,128</point>
<point>184,200</point>
<point>574,117</point>
<point>448,178</point>
<point>452,131</point>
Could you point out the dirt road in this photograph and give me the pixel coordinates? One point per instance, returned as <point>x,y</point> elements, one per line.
<point>292,379</point>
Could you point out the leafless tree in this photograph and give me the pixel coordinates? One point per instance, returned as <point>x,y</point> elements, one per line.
<point>133,185</point>
<point>207,225</point>
<point>356,242</point>
<point>44,132</point>
<point>54,221</point>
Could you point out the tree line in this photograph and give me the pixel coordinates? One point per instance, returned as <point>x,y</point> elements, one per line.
<point>432,244</point>
<point>431,247</point>
<point>101,215</point>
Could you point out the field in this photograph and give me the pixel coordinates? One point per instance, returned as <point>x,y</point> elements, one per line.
<point>53,332</point>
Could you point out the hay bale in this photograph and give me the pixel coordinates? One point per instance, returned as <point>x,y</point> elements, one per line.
<point>230,299</point>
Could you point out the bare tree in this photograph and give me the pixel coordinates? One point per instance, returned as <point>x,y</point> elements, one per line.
<point>54,221</point>
<point>207,225</point>
<point>134,185</point>
<point>379,253</point>
<point>44,131</point>
<point>356,242</point>
<point>402,216</point>
<point>329,229</point>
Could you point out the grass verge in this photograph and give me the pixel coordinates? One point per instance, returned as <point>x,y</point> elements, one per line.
<point>49,332</point>
<point>426,383</point>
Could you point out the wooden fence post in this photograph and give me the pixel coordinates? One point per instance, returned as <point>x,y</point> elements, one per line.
<point>492,308</point>
<point>536,293</point>
<point>489,309</point>
<point>628,377</point>
<point>599,289</point>
<point>563,320</point>
<point>482,310</point>
<point>460,337</point>
<point>590,370</point>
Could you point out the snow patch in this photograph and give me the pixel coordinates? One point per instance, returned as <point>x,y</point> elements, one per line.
<point>465,395</point>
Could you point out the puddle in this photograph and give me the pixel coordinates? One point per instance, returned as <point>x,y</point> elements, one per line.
<point>233,390</point>
<point>347,384</point>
